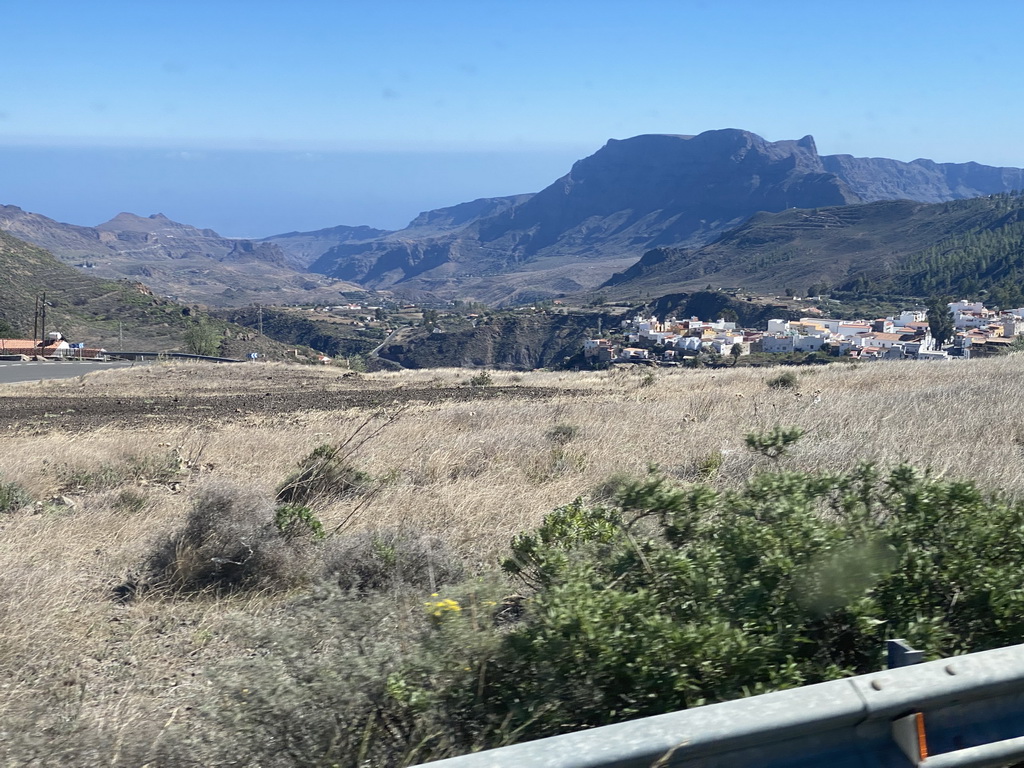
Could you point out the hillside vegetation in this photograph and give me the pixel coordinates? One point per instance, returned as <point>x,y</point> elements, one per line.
<point>103,312</point>
<point>83,308</point>
<point>885,248</point>
<point>280,584</point>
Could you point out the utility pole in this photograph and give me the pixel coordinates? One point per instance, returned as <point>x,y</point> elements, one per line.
<point>259,312</point>
<point>120,337</point>
<point>35,322</point>
<point>42,335</point>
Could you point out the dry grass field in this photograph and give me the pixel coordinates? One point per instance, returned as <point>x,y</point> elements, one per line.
<point>469,466</point>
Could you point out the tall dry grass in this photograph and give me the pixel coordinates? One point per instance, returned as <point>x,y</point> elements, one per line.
<point>471,474</point>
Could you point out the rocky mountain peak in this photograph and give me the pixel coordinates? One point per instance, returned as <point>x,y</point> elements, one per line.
<point>152,224</point>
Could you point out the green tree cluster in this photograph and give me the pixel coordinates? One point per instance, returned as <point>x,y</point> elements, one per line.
<point>987,257</point>
<point>202,338</point>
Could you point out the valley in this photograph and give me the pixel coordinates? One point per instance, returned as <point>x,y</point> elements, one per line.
<point>648,215</point>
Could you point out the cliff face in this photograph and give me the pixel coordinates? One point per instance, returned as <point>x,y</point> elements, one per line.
<point>631,196</point>
<point>512,342</point>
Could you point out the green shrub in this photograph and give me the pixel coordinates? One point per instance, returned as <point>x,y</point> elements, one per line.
<point>793,578</point>
<point>775,443</point>
<point>664,597</point>
<point>390,559</point>
<point>295,520</point>
<point>482,379</point>
<point>785,380</point>
<point>708,467</point>
<point>324,474</point>
<point>13,497</point>
<point>537,557</point>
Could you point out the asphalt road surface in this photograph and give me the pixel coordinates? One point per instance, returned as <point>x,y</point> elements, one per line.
<point>14,372</point>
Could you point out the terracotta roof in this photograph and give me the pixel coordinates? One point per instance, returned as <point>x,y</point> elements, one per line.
<point>18,343</point>
<point>887,336</point>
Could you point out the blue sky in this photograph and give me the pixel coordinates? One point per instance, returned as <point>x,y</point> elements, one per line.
<point>260,117</point>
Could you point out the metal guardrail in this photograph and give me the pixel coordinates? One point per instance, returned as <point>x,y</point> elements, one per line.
<point>962,711</point>
<point>142,356</point>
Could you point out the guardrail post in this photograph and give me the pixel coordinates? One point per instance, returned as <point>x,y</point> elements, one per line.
<point>900,654</point>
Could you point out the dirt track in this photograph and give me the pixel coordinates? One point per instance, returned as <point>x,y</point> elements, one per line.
<point>72,411</point>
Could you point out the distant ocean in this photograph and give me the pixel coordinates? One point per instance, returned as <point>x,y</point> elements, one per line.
<point>250,193</point>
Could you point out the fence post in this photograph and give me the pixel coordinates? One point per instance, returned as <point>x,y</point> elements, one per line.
<point>900,654</point>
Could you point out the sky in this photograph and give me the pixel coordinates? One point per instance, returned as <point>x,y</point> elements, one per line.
<point>255,118</point>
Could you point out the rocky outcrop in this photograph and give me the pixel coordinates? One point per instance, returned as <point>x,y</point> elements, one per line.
<point>510,342</point>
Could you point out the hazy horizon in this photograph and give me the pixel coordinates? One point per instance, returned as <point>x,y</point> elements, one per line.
<point>252,193</point>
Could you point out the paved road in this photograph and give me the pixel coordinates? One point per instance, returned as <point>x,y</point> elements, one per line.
<point>12,372</point>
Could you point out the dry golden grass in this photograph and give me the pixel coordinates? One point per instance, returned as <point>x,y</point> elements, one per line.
<point>473,473</point>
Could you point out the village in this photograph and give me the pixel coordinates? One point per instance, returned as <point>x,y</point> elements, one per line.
<point>975,329</point>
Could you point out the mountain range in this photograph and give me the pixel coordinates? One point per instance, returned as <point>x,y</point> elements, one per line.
<point>631,196</point>
<point>179,261</point>
<point>667,196</point>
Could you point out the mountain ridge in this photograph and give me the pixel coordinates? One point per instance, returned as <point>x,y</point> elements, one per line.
<point>647,191</point>
<point>174,259</point>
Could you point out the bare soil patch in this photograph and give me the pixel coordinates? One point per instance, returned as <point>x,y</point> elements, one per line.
<point>79,412</point>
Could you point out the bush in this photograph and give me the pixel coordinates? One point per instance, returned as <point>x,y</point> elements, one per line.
<point>482,379</point>
<point>665,597</point>
<point>161,468</point>
<point>775,443</point>
<point>537,557</point>
<point>316,690</point>
<point>231,540</point>
<point>295,520</point>
<point>323,474</point>
<point>683,595</point>
<point>391,559</point>
<point>13,497</point>
<point>786,380</point>
<point>561,434</point>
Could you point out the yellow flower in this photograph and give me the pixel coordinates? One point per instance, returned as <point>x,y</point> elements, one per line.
<point>441,607</point>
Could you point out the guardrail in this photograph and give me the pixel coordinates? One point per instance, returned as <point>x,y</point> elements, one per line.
<point>961,711</point>
<point>142,356</point>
